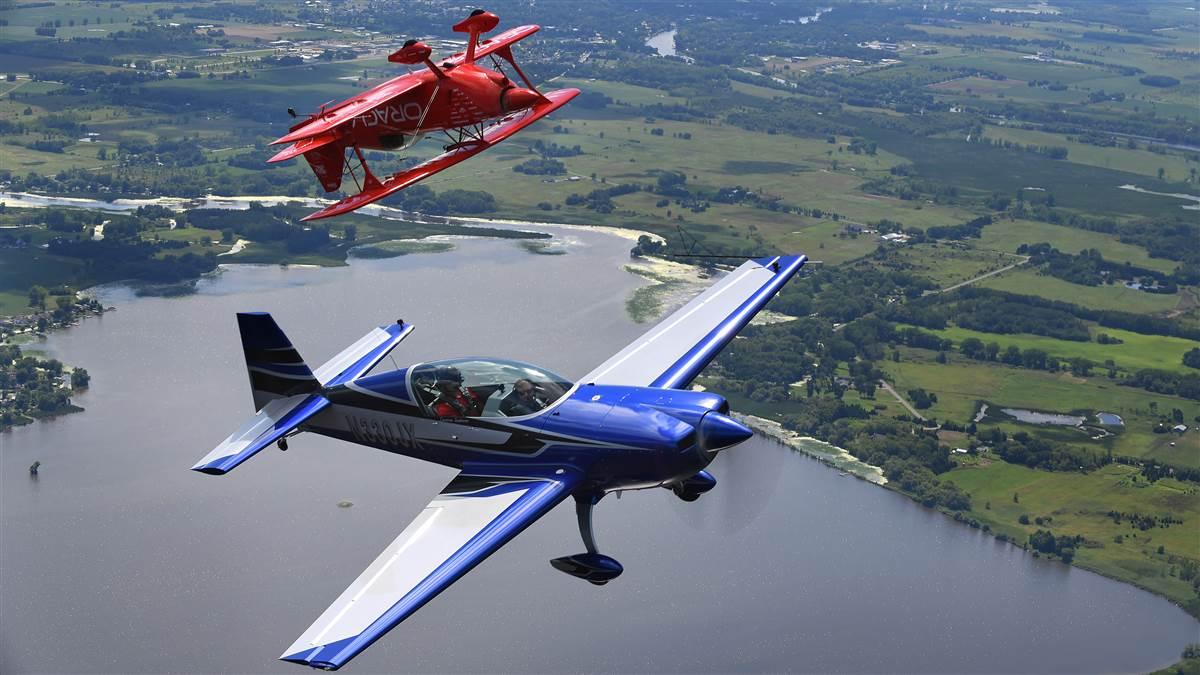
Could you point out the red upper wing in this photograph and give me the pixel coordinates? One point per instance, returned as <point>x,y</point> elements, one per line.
<point>351,108</point>
<point>492,135</point>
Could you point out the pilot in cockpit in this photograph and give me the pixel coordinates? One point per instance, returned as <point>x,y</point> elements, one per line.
<point>522,400</point>
<point>453,399</point>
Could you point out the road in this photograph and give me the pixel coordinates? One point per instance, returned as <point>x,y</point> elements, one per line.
<point>902,400</point>
<point>980,277</point>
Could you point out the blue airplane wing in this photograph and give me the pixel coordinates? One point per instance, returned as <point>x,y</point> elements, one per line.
<point>469,520</point>
<point>674,352</point>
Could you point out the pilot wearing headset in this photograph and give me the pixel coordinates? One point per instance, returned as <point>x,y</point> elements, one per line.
<point>455,400</point>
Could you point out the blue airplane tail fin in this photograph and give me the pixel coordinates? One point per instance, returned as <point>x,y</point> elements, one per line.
<point>275,367</point>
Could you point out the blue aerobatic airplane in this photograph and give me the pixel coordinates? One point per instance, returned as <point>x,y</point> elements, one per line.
<point>523,438</point>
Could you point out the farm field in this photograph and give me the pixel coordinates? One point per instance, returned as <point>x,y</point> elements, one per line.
<point>961,384</point>
<point>1006,235</point>
<point>1137,351</point>
<point>1078,504</point>
<point>1176,165</point>
<point>1116,296</point>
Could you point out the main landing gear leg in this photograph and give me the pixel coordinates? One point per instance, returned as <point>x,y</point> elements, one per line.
<point>592,566</point>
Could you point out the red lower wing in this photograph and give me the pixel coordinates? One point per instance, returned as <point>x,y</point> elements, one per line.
<point>492,135</point>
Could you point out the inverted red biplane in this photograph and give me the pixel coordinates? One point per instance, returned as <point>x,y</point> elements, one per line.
<point>456,97</point>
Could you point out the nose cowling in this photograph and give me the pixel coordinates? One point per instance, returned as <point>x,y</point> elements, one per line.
<point>717,432</point>
<point>518,98</point>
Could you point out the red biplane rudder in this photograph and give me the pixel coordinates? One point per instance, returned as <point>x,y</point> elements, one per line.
<point>327,162</point>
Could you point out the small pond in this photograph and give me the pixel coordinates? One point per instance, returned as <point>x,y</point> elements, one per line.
<point>1034,417</point>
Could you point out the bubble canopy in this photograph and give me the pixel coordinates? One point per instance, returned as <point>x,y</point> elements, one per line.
<point>489,387</point>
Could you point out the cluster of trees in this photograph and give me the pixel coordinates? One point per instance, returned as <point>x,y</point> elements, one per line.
<point>541,167</point>
<point>990,314</point>
<point>30,387</point>
<point>1143,521</point>
<point>1089,268</point>
<point>1054,317</point>
<point>423,198</point>
<point>600,199</point>
<point>1185,385</point>
<point>972,228</point>
<point>1063,546</point>
<point>552,149</point>
<point>1039,453</point>
<point>1051,151</point>
<point>1191,358</point>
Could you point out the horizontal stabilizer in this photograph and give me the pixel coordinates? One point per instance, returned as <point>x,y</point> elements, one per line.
<point>305,145</point>
<point>494,44</point>
<point>491,136</point>
<point>271,423</point>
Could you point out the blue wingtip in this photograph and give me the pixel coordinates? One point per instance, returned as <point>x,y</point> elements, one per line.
<point>326,657</point>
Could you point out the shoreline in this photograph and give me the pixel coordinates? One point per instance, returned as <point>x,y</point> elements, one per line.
<point>827,453</point>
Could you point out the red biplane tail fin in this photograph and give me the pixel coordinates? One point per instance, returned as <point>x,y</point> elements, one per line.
<point>478,23</point>
<point>328,161</point>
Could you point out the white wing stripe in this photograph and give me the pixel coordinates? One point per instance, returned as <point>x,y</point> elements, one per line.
<point>682,339</point>
<point>346,358</point>
<point>420,550</point>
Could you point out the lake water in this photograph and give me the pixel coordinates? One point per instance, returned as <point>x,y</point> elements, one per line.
<point>120,559</point>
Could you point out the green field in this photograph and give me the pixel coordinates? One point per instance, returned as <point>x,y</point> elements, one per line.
<point>1176,164</point>
<point>950,264</point>
<point>1137,351</point>
<point>1006,235</point>
<point>1077,504</point>
<point>1116,296</point>
<point>961,384</point>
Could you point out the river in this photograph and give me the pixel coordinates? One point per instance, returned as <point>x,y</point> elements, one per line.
<point>119,559</point>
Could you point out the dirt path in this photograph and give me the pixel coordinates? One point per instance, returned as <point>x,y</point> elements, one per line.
<point>902,400</point>
<point>981,277</point>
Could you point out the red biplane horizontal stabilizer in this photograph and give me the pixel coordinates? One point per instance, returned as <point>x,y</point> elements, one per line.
<point>506,127</point>
<point>305,145</point>
<point>492,45</point>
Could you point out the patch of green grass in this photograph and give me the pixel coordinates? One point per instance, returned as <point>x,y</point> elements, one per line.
<point>961,384</point>
<point>1138,161</point>
<point>984,169</point>
<point>1117,297</point>
<point>1136,351</point>
<point>1077,505</point>
<point>950,264</point>
<point>1006,235</point>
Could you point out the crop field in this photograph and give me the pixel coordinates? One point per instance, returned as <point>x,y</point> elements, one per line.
<point>1116,296</point>
<point>1176,165</point>
<point>1135,352</point>
<point>1006,235</point>
<point>988,169</point>
<point>949,264</point>
<point>1077,504</point>
<point>960,384</point>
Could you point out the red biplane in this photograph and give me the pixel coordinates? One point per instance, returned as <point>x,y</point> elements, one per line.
<point>474,107</point>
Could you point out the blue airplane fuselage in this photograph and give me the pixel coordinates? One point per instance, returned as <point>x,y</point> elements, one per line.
<point>620,438</point>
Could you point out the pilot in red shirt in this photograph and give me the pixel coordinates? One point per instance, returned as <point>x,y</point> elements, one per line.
<point>453,399</point>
